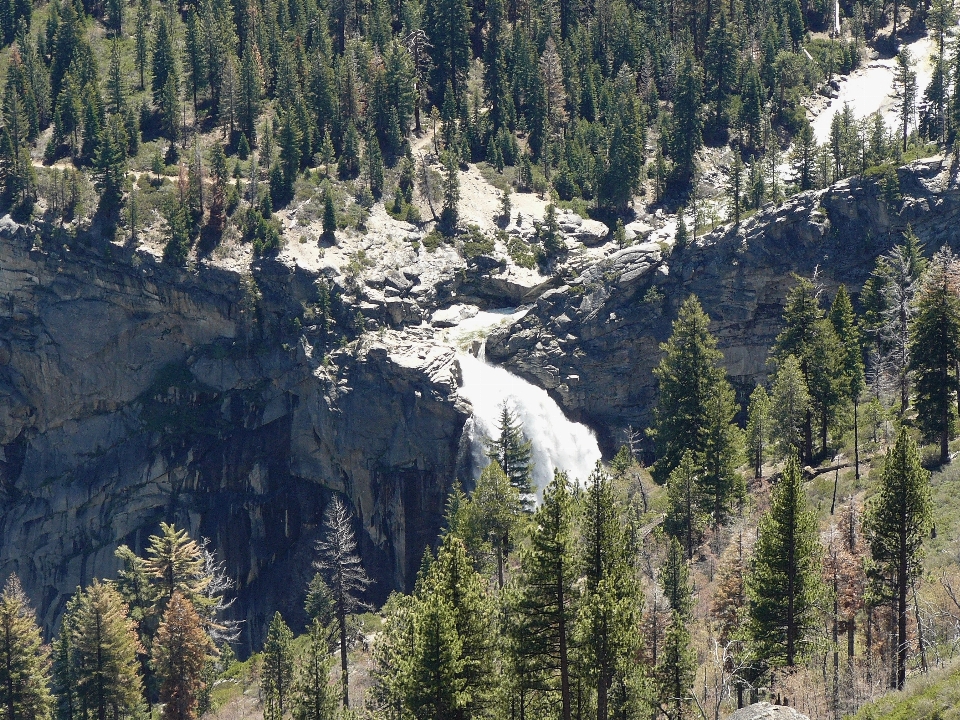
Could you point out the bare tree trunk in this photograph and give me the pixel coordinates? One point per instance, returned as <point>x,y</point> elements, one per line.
<point>856,436</point>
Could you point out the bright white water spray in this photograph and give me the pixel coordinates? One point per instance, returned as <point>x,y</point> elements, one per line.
<point>557,443</point>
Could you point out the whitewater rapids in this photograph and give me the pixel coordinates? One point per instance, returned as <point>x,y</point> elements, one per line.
<point>556,441</point>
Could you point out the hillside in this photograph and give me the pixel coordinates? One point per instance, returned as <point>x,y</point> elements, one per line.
<point>517,359</point>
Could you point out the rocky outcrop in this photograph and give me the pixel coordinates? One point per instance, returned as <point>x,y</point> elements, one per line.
<point>131,393</point>
<point>594,342</point>
<point>766,711</point>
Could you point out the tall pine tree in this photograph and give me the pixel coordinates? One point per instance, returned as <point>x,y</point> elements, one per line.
<point>783,583</point>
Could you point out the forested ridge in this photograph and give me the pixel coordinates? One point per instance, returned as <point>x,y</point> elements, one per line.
<point>192,121</point>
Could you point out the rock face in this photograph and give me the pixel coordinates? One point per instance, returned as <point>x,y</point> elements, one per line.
<point>131,394</point>
<point>766,711</point>
<point>594,343</point>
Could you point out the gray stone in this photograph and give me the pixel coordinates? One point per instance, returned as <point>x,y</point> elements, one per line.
<point>766,711</point>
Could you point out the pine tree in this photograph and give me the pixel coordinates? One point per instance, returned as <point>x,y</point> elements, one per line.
<point>111,165</point>
<point>116,84</point>
<point>338,560</point>
<point>905,92</point>
<point>218,171</point>
<point>848,333</point>
<point>624,159</point>
<point>804,157</point>
<point>783,582</point>
<point>314,698</point>
<point>720,67</point>
<point>449,671</point>
<point>511,450</point>
<point>374,166</point>
<point>249,91</point>
<point>194,56</point>
<point>277,674</point>
<point>447,24</point>
<point>24,661</point>
<point>935,350</point>
<point>142,43</point>
<point>104,654</point>
<point>175,563</point>
<point>790,404</point>
<point>492,515</point>
<point>898,519</point>
<point>545,606</point>
<point>611,601</point>
<point>181,649</point>
<point>686,136</point>
<point>758,428</point>
<point>810,337</point>
<point>696,408</point>
<point>290,137</point>
<point>329,213</point>
<point>450,214</point>
<point>436,687</point>
<point>349,164</point>
<point>674,580</point>
<point>685,518</point>
<point>169,106</point>
<point>676,670</point>
<point>164,62</point>
<point>17,177</point>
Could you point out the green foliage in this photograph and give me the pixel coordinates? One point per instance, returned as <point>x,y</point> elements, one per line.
<point>314,697</point>
<point>447,670</point>
<point>99,655</point>
<point>695,411</point>
<point>685,517</point>
<point>511,451</point>
<point>898,519</point>
<point>111,165</point>
<point>24,660</point>
<point>790,404</point>
<point>277,674</point>
<point>935,351</point>
<point>676,670</point>
<point>810,337</point>
<point>758,428</point>
<point>475,242</point>
<point>610,604</point>
<point>783,582</point>
<point>490,520</point>
<point>543,611</point>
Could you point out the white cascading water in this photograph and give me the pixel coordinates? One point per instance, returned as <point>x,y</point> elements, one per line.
<point>557,443</point>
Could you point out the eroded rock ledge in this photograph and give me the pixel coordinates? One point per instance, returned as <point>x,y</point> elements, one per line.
<point>593,343</point>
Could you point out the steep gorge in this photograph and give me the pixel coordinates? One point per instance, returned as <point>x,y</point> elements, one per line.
<point>132,393</point>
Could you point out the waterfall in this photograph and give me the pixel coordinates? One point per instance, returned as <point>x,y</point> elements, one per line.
<point>556,442</point>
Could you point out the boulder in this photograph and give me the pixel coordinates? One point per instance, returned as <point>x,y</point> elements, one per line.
<point>453,315</point>
<point>766,711</point>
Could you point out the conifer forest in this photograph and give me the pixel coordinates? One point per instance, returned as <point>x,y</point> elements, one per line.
<point>479,359</point>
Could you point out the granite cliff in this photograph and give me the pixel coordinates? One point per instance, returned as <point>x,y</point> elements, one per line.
<point>234,398</point>
<point>594,341</point>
